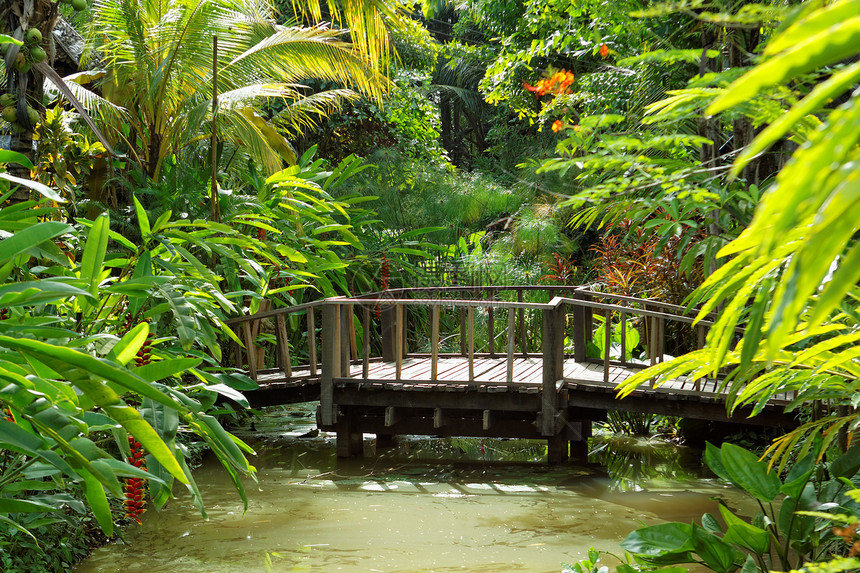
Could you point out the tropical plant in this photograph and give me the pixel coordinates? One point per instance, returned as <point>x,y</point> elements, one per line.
<point>792,279</point>
<point>155,97</point>
<point>792,527</point>
<point>85,381</point>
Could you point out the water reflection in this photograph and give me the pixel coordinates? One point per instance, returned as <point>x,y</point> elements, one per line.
<point>423,505</point>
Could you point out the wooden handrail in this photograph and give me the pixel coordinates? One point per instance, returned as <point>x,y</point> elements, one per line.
<point>390,297</point>
<point>340,348</point>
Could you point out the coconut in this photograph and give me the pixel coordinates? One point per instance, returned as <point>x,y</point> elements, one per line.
<point>10,114</point>
<point>34,36</point>
<point>37,54</point>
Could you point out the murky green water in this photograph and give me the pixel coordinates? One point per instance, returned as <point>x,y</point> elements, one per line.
<point>426,505</point>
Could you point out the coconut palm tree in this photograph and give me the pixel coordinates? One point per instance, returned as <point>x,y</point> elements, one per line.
<point>153,91</point>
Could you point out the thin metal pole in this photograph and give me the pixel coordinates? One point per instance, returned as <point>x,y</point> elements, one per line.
<point>214,205</point>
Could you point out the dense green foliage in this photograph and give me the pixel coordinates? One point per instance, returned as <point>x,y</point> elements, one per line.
<point>644,148</point>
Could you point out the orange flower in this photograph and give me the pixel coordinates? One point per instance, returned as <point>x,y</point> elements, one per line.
<point>558,83</point>
<point>604,50</point>
<point>557,125</point>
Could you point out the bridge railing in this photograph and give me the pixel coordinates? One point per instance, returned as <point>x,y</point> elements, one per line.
<point>392,321</point>
<point>251,354</point>
<point>554,316</point>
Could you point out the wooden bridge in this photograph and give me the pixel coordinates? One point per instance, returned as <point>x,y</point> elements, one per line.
<point>476,361</point>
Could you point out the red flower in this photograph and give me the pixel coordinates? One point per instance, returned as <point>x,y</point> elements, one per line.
<point>557,125</point>
<point>134,489</point>
<point>604,50</point>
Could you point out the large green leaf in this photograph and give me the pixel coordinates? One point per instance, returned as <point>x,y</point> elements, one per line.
<point>161,369</point>
<point>848,464</point>
<point>30,237</point>
<point>657,540</point>
<point>94,253</point>
<point>58,356</point>
<point>34,185</point>
<point>7,156</point>
<point>812,52</point>
<point>165,421</point>
<point>142,218</point>
<point>744,534</point>
<point>798,476</point>
<point>792,525</point>
<point>29,293</point>
<point>129,345</point>
<point>749,473</point>
<point>25,506</point>
<point>718,555</point>
<point>98,502</point>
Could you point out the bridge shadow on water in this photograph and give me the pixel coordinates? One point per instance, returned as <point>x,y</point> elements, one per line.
<point>645,475</point>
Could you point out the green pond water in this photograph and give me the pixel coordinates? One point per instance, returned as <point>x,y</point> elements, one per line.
<point>425,505</point>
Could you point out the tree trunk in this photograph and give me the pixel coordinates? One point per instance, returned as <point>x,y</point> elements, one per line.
<point>25,84</point>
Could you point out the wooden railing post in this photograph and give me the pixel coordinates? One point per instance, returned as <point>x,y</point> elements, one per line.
<point>331,356</point>
<point>284,346</point>
<point>491,326</point>
<point>398,340</point>
<point>434,342</point>
<point>607,343</point>
<point>553,366</point>
<point>365,342</point>
<point>581,328</point>
<point>388,334</point>
<point>347,337</point>
<point>312,341</point>
<point>524,347</point>
<point>511,341</point>
<point>250,349</point>
<point>470,321</point>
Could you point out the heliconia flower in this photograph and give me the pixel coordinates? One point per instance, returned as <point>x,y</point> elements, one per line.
<point>557,125</point>
<point>134,488</point>
<point>604,50</point>
<point>385,276</point>
<point>144,355</point>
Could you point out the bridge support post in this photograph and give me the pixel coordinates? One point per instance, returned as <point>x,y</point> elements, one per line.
<point>578,434</point>
<point>557,449</point>
<point>350,440</point>
<point>332,361</point>
<point>553,367</point>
